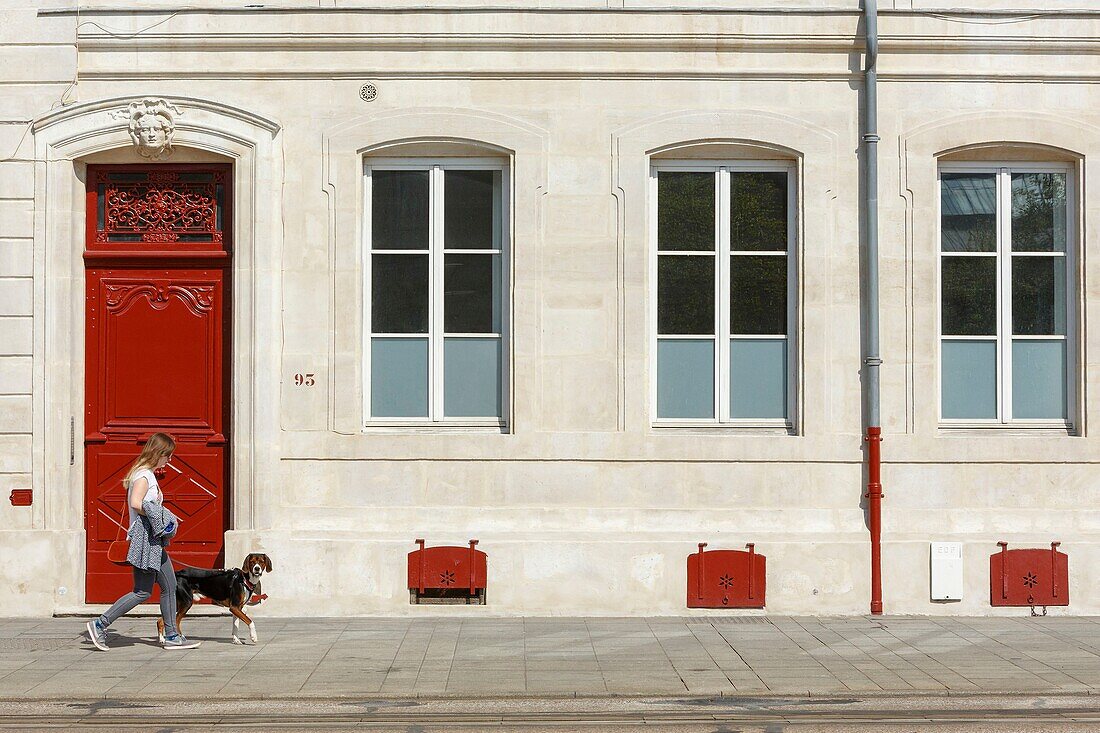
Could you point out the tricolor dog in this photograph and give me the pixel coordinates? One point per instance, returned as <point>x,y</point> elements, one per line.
<point>230,588</point>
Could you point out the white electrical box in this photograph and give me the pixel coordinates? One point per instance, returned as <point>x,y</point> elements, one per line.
<point>947,571</point>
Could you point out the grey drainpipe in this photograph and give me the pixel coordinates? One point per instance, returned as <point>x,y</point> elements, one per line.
<point>872,360</point>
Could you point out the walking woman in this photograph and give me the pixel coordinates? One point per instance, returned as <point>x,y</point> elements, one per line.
<point>151,529</point>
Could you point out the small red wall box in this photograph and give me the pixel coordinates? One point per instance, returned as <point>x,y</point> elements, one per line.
<point>447,574</point>
<point>726,578</point>
<point>21,497</point>
<point>1029,577</point>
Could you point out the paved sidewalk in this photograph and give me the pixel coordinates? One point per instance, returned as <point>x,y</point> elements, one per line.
<point>852,713</point>
<point>555,657</point>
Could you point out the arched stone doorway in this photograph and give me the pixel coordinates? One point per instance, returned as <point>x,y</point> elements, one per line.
<point>72,147</point>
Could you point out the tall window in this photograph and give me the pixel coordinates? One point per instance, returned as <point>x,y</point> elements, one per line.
<point>435,278</point>
<point>1006,313</point>
<point>724,292</point>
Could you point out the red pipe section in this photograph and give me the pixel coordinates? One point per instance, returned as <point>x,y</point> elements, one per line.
<point>874,508</point>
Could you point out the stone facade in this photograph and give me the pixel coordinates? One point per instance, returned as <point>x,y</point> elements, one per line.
<point>583,504</point>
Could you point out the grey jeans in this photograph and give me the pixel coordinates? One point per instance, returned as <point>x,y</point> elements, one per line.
<point>143,588</point>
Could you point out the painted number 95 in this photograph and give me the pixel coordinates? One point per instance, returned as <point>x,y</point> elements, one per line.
<point>304,380</point>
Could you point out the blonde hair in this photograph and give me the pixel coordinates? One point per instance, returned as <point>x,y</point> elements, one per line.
<point>158,446</point>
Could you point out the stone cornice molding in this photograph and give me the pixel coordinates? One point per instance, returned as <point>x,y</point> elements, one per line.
<point>667,29</point>
<point>537,42</point>
<point>684,73</point>
<point>664,9</point>
<point>556,42</point>
<point>471,9</point>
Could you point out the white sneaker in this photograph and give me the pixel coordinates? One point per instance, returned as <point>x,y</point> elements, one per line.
<point>179,641</point>
<point>97,635</point>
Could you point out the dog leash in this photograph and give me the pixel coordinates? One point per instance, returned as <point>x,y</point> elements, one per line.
<point>193,567</point>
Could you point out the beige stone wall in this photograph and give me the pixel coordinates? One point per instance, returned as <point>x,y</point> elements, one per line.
<point>583,506</point>
<point>38,69</point>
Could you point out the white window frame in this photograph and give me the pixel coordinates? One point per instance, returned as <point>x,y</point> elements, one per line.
<point>1003,171</point>
<point>722,169</point>
<point>436,252</point>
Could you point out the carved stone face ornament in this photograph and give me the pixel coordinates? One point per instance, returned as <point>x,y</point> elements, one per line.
<point>151,123</point>
<point>152,133</point>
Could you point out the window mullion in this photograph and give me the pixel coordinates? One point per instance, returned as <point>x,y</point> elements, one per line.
<point>1004,293</point>
<point>435,250</point>
<point>722,301</point>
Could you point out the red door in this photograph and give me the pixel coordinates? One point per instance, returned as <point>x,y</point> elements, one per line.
<point>156,336</point>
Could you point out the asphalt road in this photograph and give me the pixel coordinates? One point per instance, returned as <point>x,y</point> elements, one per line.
<point>732,714</point>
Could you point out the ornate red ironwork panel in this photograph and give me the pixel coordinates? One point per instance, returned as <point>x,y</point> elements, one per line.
<point>1029,577</point>
<point>156,338</point>
<point>726,578</point>
<point>144,210</point>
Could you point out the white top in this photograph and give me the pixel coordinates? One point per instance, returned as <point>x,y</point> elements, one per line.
<point>154,493</point>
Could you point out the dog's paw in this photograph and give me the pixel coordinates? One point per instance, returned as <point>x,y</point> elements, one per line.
<point>237,641</point>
